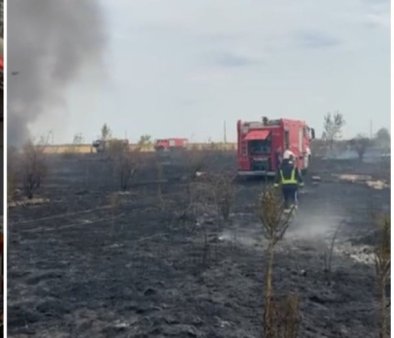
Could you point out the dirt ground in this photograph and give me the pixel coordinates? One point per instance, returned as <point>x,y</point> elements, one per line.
<point>81,265</point>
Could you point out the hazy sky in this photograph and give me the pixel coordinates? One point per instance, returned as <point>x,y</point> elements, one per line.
<point>180,68</point>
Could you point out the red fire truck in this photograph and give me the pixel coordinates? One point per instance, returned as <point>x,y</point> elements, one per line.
<point>171,143</point>
<point>261,145</point>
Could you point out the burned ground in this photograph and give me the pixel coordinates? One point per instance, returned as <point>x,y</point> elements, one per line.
<point>80,264</point>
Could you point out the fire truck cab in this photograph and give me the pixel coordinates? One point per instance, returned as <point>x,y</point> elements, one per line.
<point>261,145</point>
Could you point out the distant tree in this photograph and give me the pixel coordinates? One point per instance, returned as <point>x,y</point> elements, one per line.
<point>105,132</point>
<point>33,168</point>
<point>144,142</point>
<point>43,141</point>
<point>383,138</point>
<point>333,124</point>
<point>78,139</point>
<point>124,162</point>
<point>360,145</point>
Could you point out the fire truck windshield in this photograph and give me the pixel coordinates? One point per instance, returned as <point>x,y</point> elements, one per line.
<point>259,147</point>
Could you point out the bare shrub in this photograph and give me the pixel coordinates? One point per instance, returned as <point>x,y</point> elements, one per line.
<point>222,191</point>
<point>124,162</point>
<point>328,255</point>
<point>275,222</point>
<point>224,194</point>
<point>34,168</point>
<point>209,195</point>
<point>163,202</point>
<point>382,265</point>
<point>12,177</point>
<point>360,145</point>
<point>126,168</point>
<point>201,206</point>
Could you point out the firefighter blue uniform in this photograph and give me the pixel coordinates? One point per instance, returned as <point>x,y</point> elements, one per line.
<point>289,177</point>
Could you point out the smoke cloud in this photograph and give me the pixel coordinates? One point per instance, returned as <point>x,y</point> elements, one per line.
<point>49,42</point>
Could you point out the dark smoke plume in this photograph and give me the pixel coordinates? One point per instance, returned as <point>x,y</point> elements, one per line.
<point>48,44</point>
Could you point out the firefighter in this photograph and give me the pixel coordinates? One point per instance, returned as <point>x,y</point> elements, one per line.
<point>288,154</point>
<point>289,177</point>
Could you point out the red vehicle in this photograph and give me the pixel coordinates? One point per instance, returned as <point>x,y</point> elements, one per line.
<point>171,143</point>
<point>261,145</point>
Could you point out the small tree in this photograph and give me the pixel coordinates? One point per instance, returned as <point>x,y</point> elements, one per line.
<point>105,132</point>
<point>127,168</point>
<point>360,145</point>
<point>382,265</point>
<point>333,125</point>
<point>288,313</point>
<point>34,168</point>
<point>124,162</point>
<point>275,221</point>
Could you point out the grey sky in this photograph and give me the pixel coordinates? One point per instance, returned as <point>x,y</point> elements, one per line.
<point>181,68</point>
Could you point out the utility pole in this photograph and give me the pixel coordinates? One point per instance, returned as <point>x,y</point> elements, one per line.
<point>225,133</point>
<point>50,139</point>
<point>370,129</point>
